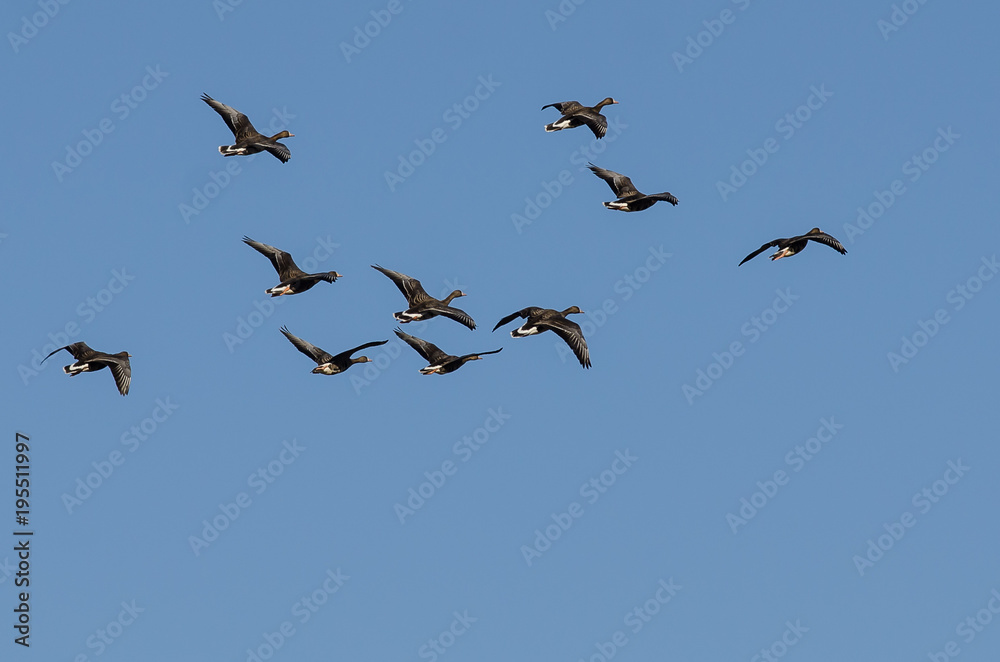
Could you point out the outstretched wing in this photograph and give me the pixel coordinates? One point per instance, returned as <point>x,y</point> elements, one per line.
<point>523,313</point>
<point>346,355</point>
<point>467,356</point>
<point>410,287</point>
<point>122,370</point>
<point>280,260</point>
<point>237,122</point>
<point>565,107</point>
<point>430,351</point>
<point>278,150</point>
<point>620,184</point>
<point>79,350</point>
<point>666,197</point>
<point>761,250</point>
<point>451,312</point>
<point>571,333</point>
<point>597,122</point>
<point>824,238</point>
<point>312,351</point>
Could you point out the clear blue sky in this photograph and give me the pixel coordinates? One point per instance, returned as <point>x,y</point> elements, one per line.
<point>746,462</point>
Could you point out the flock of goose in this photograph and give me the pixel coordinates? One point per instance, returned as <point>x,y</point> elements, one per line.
<point>422,306</point>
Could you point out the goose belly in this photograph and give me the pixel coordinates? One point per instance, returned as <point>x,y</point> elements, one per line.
<point>525,330</point>
<point>407,316</point>
<point>278,290</point>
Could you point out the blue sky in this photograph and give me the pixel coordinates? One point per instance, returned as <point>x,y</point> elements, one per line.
<point>792,460</point>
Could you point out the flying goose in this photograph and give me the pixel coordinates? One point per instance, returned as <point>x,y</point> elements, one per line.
<point>293,279</point>
<point>327,364</point>
<point>438,361</point>
<point>423,306</point>
<point>88,360</point>
<point>574,114</point>
<point>546,319</point>
<point>248,140</point>
<point>792,245</point>
<point>629,199</point>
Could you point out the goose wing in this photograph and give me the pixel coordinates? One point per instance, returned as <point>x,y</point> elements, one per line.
<point>760,250</point>
<point>280,260</point>
<point>598,123</point>
<point>312,351</point>
<point>237,122</point>
<point>523,313</point>
<point>565,107</point>
<point>826,239</point>
<point>570,332</point>
<point>270,252</point>
<point>277,150</point>
<point>121,368</point>
<point>469,356</point>
<point>79,350</point>
<point>346,355</point>
<point>410,287</point>
<point>430,351</point>
<point>451,312</point>
<point>619,183</point>
<point>666,197</point>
